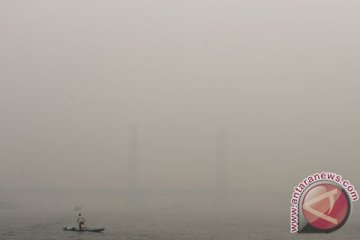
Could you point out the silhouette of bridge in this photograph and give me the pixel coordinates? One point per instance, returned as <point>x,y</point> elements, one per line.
<point>134,192</point>
<point>220,192</point>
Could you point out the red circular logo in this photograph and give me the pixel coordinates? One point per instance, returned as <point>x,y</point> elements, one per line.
<point>326,207</point>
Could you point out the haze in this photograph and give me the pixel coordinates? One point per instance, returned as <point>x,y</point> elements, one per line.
<point>280,77</point>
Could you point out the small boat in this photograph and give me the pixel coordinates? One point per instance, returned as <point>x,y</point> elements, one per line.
<point>85,229</point>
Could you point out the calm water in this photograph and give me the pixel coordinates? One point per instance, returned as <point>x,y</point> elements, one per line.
<point>156,225</point>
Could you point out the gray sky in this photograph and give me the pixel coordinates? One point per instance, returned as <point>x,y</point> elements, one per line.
<point>282,77</point>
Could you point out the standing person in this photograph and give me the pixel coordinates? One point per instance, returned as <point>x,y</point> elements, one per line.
<point>81,221</point>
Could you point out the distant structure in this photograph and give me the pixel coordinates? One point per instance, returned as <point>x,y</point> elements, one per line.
<point>220,193</point>
<point>132,178</point>
<point>221,168</point>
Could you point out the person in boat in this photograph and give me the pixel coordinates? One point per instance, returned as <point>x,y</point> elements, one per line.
<point>81,221</point>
